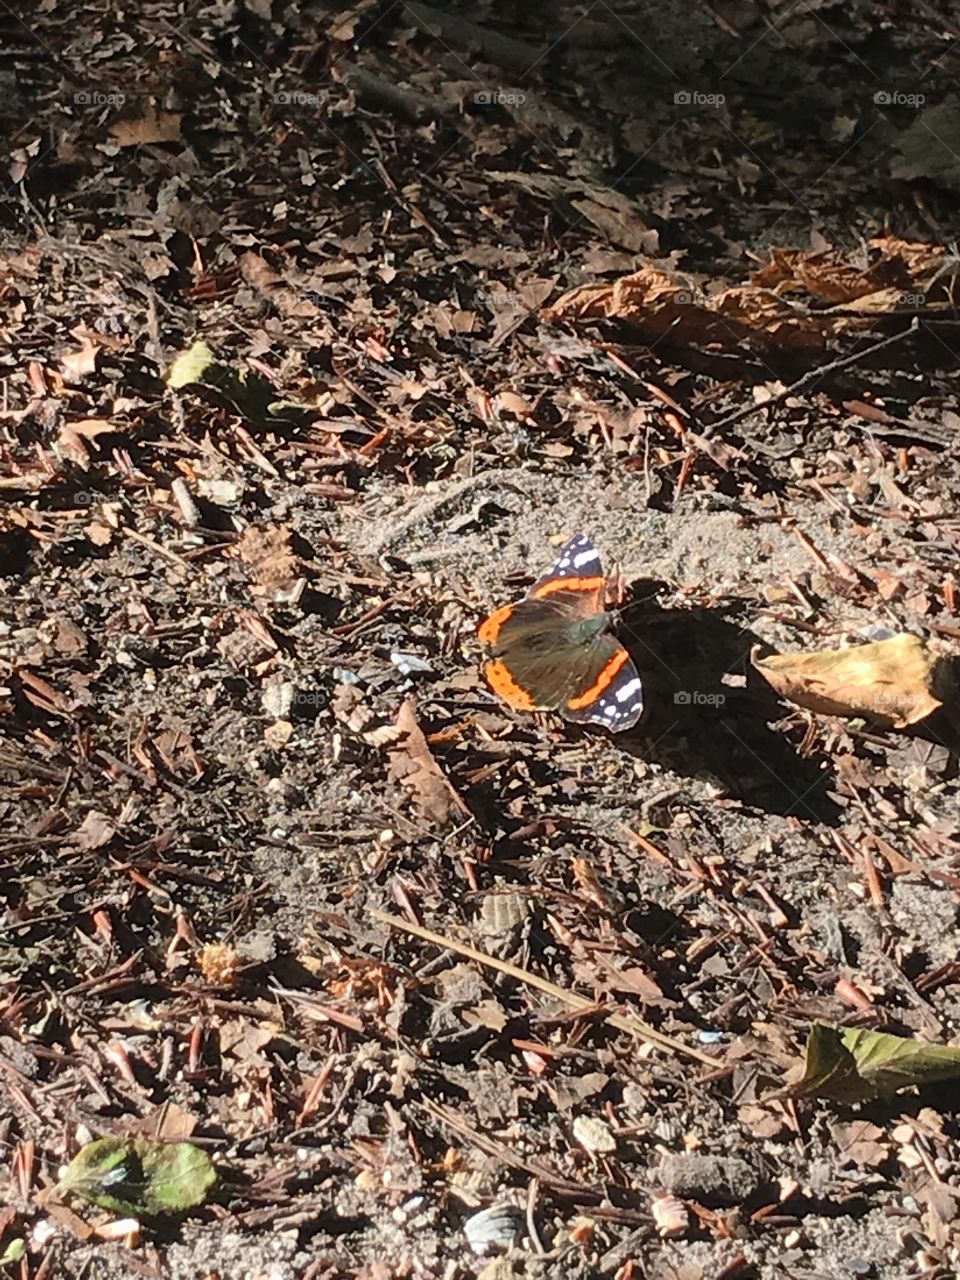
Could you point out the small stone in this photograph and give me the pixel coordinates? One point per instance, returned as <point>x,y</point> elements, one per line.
<point>711,1180</point>
<point>594,1135</point>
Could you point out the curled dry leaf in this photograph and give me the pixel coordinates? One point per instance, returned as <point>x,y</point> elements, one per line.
<point>413,763</point>
<point>657,305</point>
<point>896,682</point>
<point>841,295</point>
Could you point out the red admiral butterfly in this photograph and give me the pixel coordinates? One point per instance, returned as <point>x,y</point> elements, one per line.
<point>551,651</point>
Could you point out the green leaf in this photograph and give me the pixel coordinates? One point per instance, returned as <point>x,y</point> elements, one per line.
<point>14,1251</point>
<point>140,1178</point>
<point>189,366</point>
<point>245,391</point>
<point>847,1064</point>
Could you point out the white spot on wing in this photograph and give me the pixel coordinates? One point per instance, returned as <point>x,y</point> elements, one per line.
<point>585,557</point>
<point>628,690</point>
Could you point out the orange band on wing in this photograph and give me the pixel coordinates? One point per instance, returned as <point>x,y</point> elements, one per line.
<point>489,630</point>
<point>603,679</point>
<point>566,584</point>
<point>504,686</point>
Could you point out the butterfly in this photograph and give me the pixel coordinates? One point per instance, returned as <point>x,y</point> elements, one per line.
<point>552,650</point>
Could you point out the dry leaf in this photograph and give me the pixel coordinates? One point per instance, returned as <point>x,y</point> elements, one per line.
<point>268,553</point>
<point>288,300</point>
<point>73,437</point>
<point>413,764</point>
<point>843,295</point>
<point>154,126</point>
<point>862,1143</point>
<point>896,682</point>
<point>96,830</point>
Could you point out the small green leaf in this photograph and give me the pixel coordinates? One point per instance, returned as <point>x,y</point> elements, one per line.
<point>14,1251</point>
<point>190,366</point>
<point>243,391</point>
<point>140,1178</point>
<point>847,1064</point>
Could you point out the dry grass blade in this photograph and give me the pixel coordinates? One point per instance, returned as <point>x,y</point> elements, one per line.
<point>621,1021</point>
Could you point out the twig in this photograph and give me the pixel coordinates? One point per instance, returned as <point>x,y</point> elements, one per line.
<point>811,376</point>
<point>532,1193</point>
<point>506,52</point>
<point>406,103</point>
<point>160,550</point>
<point>579,1190</point>
<point>622,1022</point>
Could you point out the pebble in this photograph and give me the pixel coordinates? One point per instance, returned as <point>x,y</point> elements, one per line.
<point>709,1179</point>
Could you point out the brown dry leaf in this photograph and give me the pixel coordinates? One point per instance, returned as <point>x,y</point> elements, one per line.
<point>267,551</point>
<point>896,266</point>
<point>861,1143</point>
<point>488,1013</point>
<point>96,830</point>
<point>940,1213</point>
<point>43,695</point>
<point>288,300</point>
<point>635,982</point>
<point>896,682</point>
<point>152,127</point>
<point>897,863</point>
<point>657,305</point>
<point>73,437</point>
<point>612,213</point>
<point>413,764</point>
<point>167,1123</point>
<point>67,638</point>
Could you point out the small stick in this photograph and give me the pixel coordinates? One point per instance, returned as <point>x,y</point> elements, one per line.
<point>810,377</point>
<point>622,1022</point>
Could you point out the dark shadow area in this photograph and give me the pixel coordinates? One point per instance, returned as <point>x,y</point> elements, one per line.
<point>696,723</point>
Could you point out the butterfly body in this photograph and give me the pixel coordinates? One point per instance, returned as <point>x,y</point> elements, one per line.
<point>553,651</point>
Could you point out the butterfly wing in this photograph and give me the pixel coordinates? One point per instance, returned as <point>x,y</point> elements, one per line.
<point>537,660</point>
<point>614,698</point>
<point>550,651</point>
<point>578,561</point>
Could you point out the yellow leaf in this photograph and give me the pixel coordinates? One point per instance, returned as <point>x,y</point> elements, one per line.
<point>896,682</point>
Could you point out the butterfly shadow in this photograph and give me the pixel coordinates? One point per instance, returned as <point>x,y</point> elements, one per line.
<point>708,712</point>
